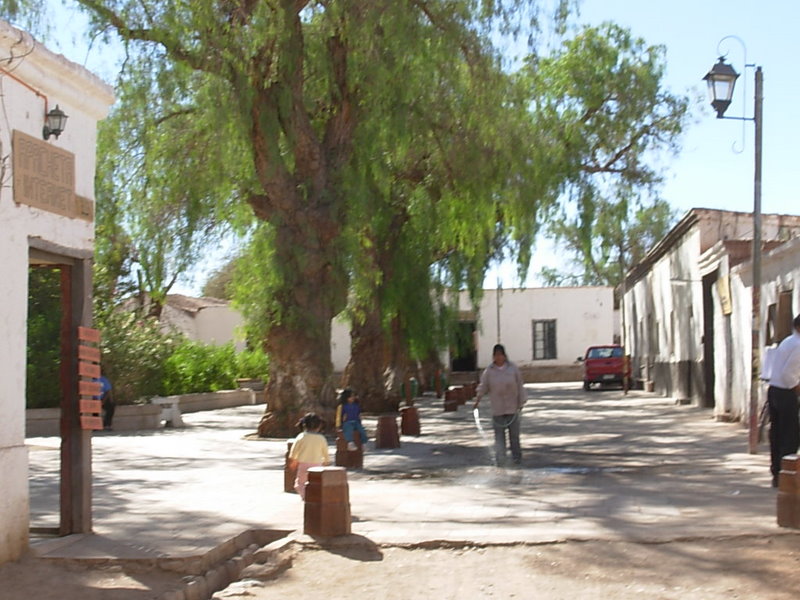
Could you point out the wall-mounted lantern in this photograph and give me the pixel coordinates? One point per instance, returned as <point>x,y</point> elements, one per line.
<point>54,123</point>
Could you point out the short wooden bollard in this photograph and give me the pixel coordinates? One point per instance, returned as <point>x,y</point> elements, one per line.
<point>461,394</point>
<point>350,459</point>
<point>327,505</point>
<point>450,401</point>
<point>789,493</point>
<point>409,420</point>
<point>289,474</point>
<point>387,435</point>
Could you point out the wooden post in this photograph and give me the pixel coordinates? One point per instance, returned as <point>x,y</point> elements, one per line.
<point>387,435</point>
<point>327,505</point>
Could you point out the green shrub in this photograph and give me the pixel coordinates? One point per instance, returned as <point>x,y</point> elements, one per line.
<point>135,352</point>
<point>252,364</point>
<point>197,367</point>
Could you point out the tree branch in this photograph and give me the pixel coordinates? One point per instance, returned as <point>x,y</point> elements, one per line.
<point>156,35</point>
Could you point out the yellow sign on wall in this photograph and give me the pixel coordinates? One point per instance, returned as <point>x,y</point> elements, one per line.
<point>44,177</point>
<point>724,291</point>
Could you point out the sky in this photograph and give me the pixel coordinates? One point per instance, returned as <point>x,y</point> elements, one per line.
<point>715,166</point>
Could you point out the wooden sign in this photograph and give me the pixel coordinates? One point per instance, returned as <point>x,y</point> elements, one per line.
<point>89,389</point>
<point>44,177</point>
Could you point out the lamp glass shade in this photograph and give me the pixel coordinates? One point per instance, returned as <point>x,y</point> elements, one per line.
<point>55,121</point>
<point>721,80</point>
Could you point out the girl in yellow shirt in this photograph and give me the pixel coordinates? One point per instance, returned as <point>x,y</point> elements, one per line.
<point>310,449</point>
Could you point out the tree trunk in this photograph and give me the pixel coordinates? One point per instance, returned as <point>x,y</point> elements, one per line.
<point>398,365</point>
<point>430,369</point>
<point>365,371</point>
<point>310,294</point>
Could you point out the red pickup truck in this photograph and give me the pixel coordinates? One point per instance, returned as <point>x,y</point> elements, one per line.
<point>605,364</point>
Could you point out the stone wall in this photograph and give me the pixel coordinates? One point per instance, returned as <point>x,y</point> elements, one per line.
<point>552,373</point>
<point>136,417</point>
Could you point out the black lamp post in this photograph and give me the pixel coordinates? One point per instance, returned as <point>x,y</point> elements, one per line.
<point>54,123</point>
<point>721,81</point>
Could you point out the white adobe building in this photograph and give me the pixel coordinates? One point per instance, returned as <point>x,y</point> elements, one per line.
<point>732,307</point>
<point>46,219</point>
<point>544,330</point>
<point>686,310</point>
<point>207,320</point>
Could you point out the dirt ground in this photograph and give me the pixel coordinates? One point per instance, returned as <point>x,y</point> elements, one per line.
<point>746,567</point>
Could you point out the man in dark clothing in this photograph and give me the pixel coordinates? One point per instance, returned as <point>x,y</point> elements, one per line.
<point>784,386</point>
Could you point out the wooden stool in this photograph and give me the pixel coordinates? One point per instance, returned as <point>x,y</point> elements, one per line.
<point>387,435</point>
<point>326,511</point>
<point>351,459</point>
<point>409,420</point>
<point>289,475</point>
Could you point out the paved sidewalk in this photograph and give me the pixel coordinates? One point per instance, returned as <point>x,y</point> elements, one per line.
<point>597,465</point>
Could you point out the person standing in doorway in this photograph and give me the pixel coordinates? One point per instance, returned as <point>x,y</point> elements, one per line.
<point>108,404</point>
<point>784,387</point>
<point>502,381</point>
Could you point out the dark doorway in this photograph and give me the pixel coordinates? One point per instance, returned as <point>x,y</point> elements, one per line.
<point>464,354</point>
<point>708,340</point>
<point>43,392</point>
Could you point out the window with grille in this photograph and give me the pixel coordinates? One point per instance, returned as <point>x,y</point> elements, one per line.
<point>544,339</point>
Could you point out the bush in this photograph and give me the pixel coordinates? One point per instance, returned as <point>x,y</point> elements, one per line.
<point>196,367</point>
<point>135,352</point>
<point>252,364</point>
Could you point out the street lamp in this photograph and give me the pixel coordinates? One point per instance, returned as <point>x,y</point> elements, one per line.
<point>721,81</point>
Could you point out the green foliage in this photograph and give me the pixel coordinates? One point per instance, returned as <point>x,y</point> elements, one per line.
<point>603,117</point>
<point>252,363</point>
<point>621,235</point>
<point>197,367</point>
<point>220,283</point>
<point>165,176</point>
<point>134,354</point>
<point>30,14</point>
<point>43,376</point>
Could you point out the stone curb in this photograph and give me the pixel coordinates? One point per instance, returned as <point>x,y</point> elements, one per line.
<point>271,558</point>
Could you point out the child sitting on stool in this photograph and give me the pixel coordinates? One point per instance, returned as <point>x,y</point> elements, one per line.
<point>310,449</point>
<point>348,417</point>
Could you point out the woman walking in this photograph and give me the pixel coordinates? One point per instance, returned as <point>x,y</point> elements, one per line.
<point>502,381</point>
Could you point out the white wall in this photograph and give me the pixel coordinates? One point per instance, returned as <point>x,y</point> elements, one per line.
<point>85,99</point>
<point>584,316</point>
<point>340,344</point>
<point>219,325</point>
<point>664,319</point>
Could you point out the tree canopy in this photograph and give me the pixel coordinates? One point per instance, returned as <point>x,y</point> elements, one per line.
<point>605,113</point>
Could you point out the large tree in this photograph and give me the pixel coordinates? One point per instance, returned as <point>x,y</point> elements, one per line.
<point>445,193</point>
<point>581,134</point>
<point>605,244</point>
<point>295,79</point>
